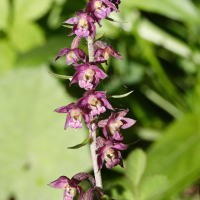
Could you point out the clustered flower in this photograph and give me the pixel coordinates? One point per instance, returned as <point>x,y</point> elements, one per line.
<point>93,103</point>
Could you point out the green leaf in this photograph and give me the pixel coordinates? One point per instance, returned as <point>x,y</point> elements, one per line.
<point>120,96</point>
<point>30,10</point>
<point>153,186</point>
<point>67,26</point>
<point>156,35</point>
<point>113,20</point>
<point>176,154</point>
<point>33,140</point>
<point>4,10</point>
<point>97,37</point>
<point>80,145</point>
<point>183,10</point>
<point>61,76</point>
<point>135,166</point>
<point>26,36</point>
<point>7,56</point>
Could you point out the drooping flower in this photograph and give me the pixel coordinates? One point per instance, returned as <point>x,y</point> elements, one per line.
<point>74,117</point>
<point>72,55</point>
<point>104,51</point>
<point>93,193</point>
<point>95,102</point>
<point>71,187</point>
<point>108,150</point>
<point>83,25</point>
<point>87,76</point>
<point>100,9</point>
<point>112,125</point>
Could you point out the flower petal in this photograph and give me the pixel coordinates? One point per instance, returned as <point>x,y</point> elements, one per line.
<point>127,122</point>
<point>59,182</point>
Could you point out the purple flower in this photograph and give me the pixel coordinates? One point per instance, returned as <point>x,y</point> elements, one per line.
<point>108,150</point>
<point>72,55</point>
<point>100,9</point>
<point>83,25</point>
<point>112,125</point>
<point>95,102</point>
<point>75,116</point>
<point>87,76</point>
<point>104,51</point>
<point>71,187</point>
<point>115,2</point>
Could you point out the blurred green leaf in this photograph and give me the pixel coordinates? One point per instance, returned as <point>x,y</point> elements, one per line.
<point>45,53</point>
<point>183,10</point>
<point>26,36</point>
<point>4,10</point>
<point>97,37</point>
<point>153,33</point>
<point>177,154</point>
<point>30,10</point>
<point>33,140</point>
<point>153,186</point>
<point>61,76</point>
<point>135,166</point>
<point>7,56</point>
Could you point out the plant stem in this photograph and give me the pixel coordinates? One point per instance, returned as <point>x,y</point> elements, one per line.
<point>90,49</point>
<point>93,145</point>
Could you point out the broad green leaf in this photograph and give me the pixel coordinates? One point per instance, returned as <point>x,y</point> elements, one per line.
<point>7,56</point>
<point>30,10</point>
<point>177,154</point>
<point>61,76</point>
<point>26,36</point>
<point>80,145</point>
<point>135,166</point>
<point>4,10</point>
<point>33,140</point>
<point>153,186</point>
<point>183,10</point>
<point>120,188</point>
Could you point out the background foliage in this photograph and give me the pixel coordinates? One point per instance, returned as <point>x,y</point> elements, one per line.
<point>161,58</point>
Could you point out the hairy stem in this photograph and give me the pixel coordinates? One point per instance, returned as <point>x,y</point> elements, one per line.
<point>93,145</point>
<point>90,48</point>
